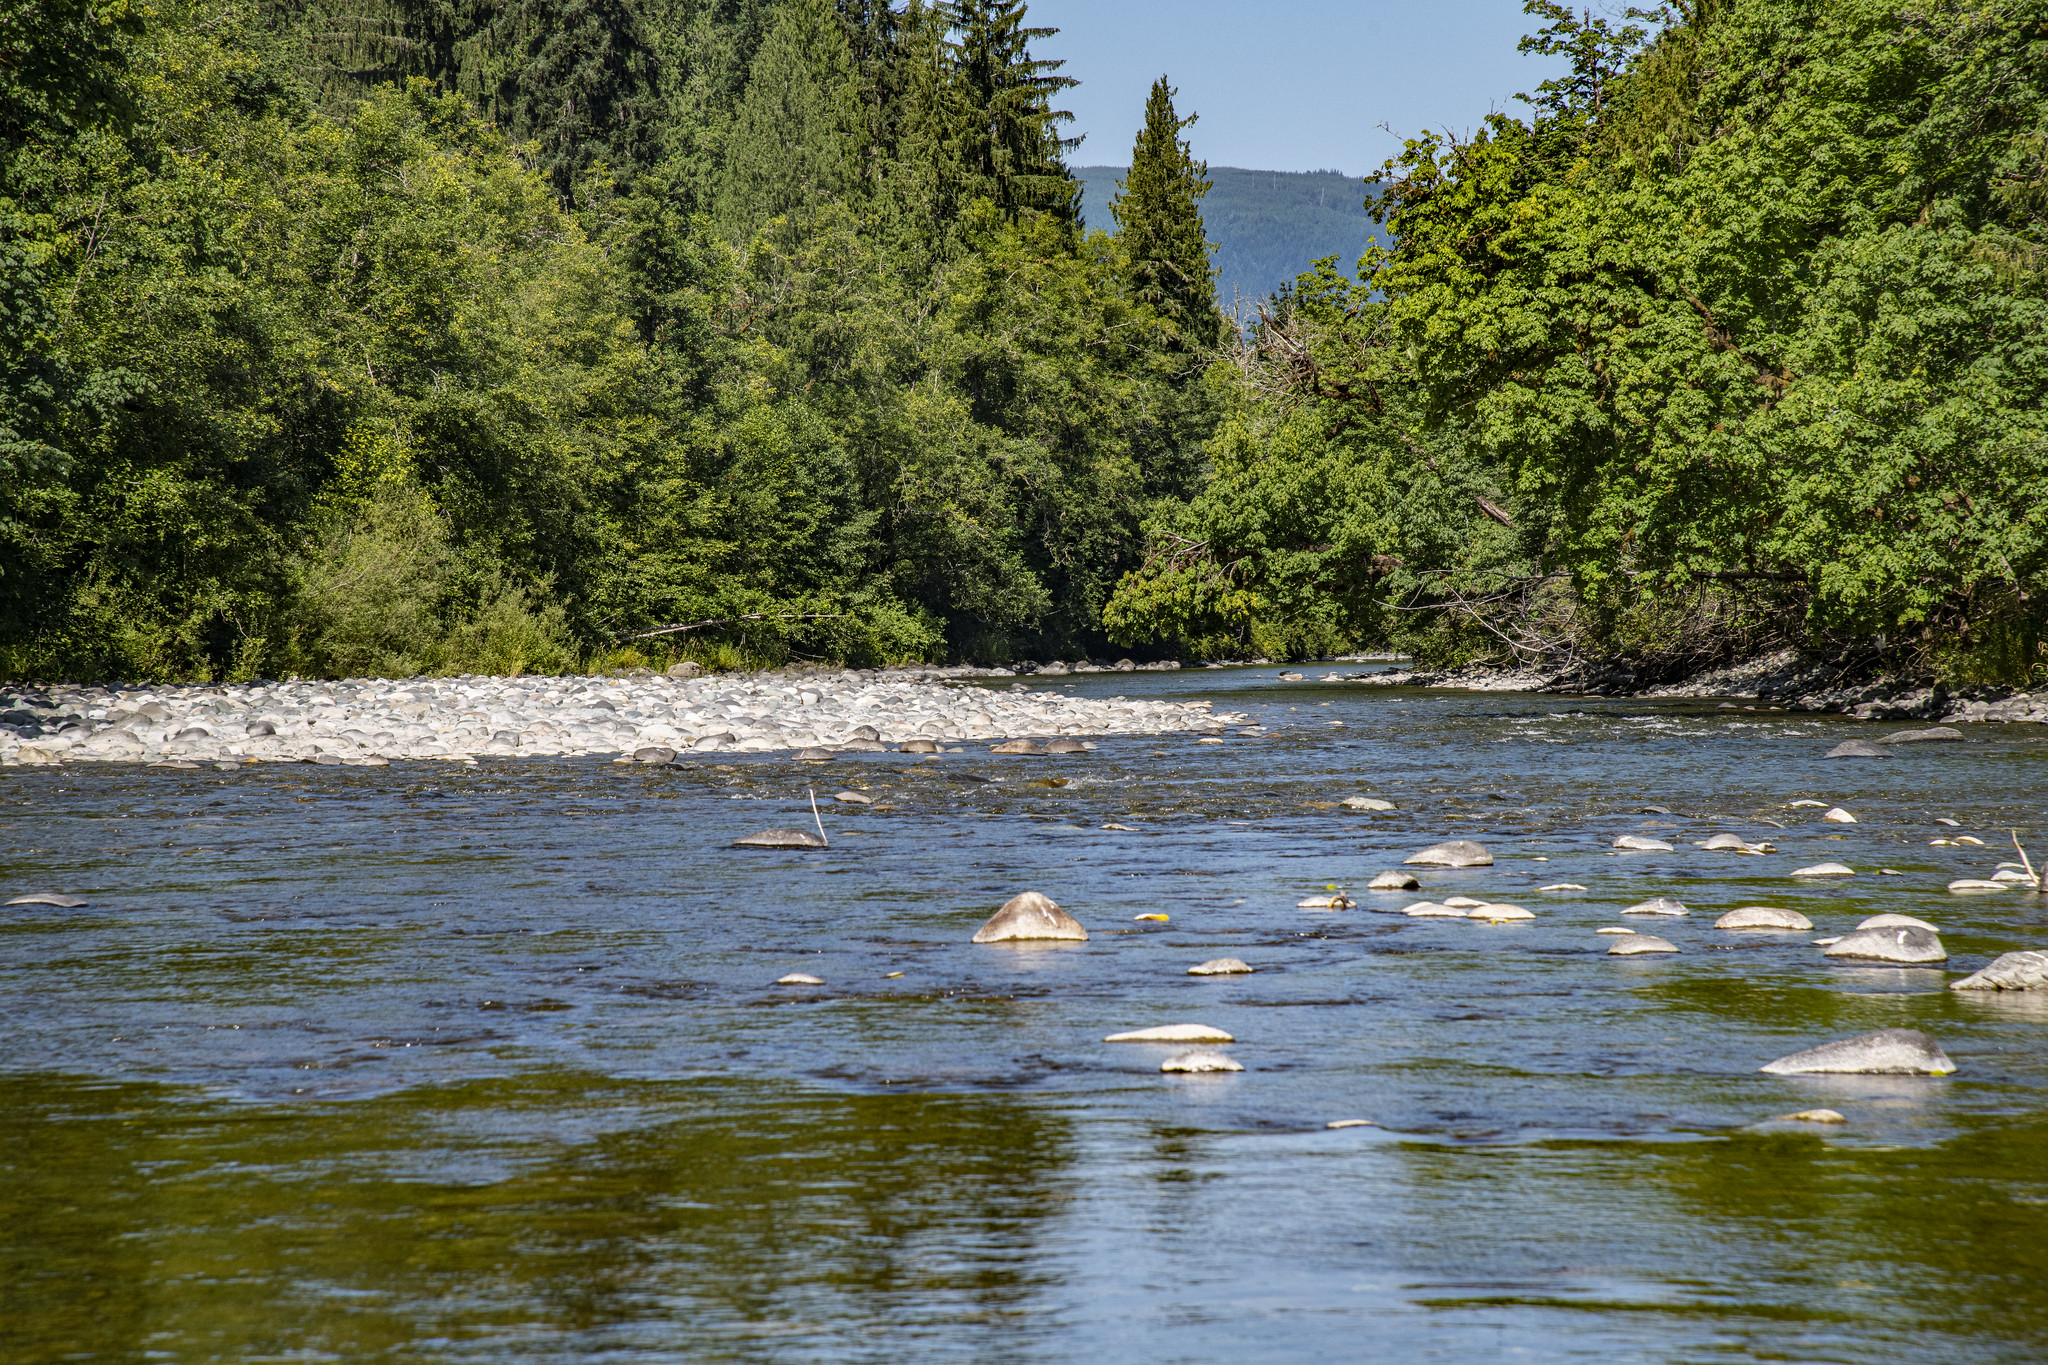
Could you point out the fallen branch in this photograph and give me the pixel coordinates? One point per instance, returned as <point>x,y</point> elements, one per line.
<point>751,616</point>
<point>2025,862</point>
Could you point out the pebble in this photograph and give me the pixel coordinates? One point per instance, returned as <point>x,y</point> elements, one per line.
<point>1366,803</point>
<point>1907,947</point>
<point>1764,917</point>
<point>1030,916</point>
<point>1836,815</point>
<point>49,898</point>
<point>2026,971</point>
<point>1891,921</point>
<point>1824,870</point>
<point>782,838</point>
<point>1393,881</point>
<point>799,979</point>
<point>1641,943</point>
<point>1639,844</point>
<point>1455,853</point>
<point>1218,966</point>
<point>1200,1059</point>
<point>1811,1116</point>
<point>1662,905</point>
<point>451,718</point>
<point>1172,1033</point>
<point>1888,1052</point>
<point>1860,748</point>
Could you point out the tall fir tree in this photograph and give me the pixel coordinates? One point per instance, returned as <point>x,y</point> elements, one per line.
<point>1010,139</point>
<point>1159,222</point>
<point>794,140</point>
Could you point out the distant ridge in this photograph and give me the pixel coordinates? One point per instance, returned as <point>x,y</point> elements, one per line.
<point>1267,225</point>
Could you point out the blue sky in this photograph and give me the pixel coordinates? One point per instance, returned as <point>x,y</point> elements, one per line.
<point>1297,86</point>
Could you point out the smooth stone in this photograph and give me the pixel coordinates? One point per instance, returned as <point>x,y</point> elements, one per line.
<point>1837,816</point>
<point>1944,820</point>
<point>654,753</point>
<point>1172,1033</point>
<point>1065,744</point>
<point>1892,921</point>
<point>1764,917</point>
<point>1938,734</point>
<point>1393,881</point>
<point>1218,966</point>
<point>1325,903</point>
<point>799,979</point>
<point>324,760</point>
<point>1887,1052</point>
<point>1454,853</point>
<point>1432,910</point>
<point>260,727</point>
<point>1824,870</point>
<point>1366,803</point>
<point>1721,841</point>
<point>2006,874</point>
<point>1562,886</point>
<point>1815,804</point>
<point>1639,844</point>
<point>1640,943</point>
<point>866,732</point>
<point>1018,746</point>
<point>1860,748</point>
<point>1662,905</point>
<point>1824,942</point>
<point>49,898</point>
<point>918,746</point>
<point>2023,971</point>
<point>1030,916</point>
<point>1614,930</point>
<point>814,754</point>
<point>854,799</point>
<point>1208,739</point>
<point>1200,1059</point>
<point>782,838</point>
<point>1351,1123</point>
<point>864,746</point>
<point>1463,902</point>
<point>1499,914</point>
<point>1654,810</point>
<point>1977,886</point>
<point>686,669</point>
<point>1811,1116</point>
<point>1904,946</point>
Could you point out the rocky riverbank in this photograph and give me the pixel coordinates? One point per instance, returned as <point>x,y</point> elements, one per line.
<point>652,717</point>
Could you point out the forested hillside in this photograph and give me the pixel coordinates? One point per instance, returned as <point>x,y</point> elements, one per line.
<point>1266,225</point>
<point>1735,340</point>
<point>373,336</point>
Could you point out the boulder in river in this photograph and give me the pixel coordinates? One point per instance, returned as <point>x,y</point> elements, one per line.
<point>1764,917</point>
<point>1030,916</point>
<point>1891,921</point>
<point>854,799</point>
<point>1172,1033</point>
<point>654,753</point>
<point>1824,870</point>
<point>1366,803</point>
<point>782,838</point>
<point>1199,1059</point>
<point>1017,746</point>
<point>919,746</point>
<point>1495,912</point>
<point>867,732</point>
<point>864,746</point>
<point>1860,748</point>
<point>1976,886</point>
<point>1637,843</point>
<point>1811,1116</point>
<point>49,898</point>
<point>1718,842</point>
<point>1454,853</point>
<point>1888,1052</point>
<point>1065,744</point>
<point>1336,902</point>
<point>1218,966</point>
<point>1432,910</point>
<point>2027,971</point>
<point>1633,944</point>
<point>1837,816</point>
<point>799,979</point>
<point>1939,734</point>
<point>1906,947</point>
<point>1661,905</point>
<point>814,754</point>
<point>1393,881</point>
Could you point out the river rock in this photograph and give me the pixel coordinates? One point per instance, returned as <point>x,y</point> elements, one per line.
<point>1027,917</point>
<point>1018,746</point>
<point>1393,881</point>
<point>49,898</point>
<point>1065,744</point>
<point>1199,1059</point>
<point>864,746</point>
<point>814,755</point>
<point>1718,842</point>
<point>1432,910</point>
<point>799,979</point>
<point>2025,971</point>
<point>1640,943</point>
<point>1661,905</point>
<point>1811,1116</point>
<point>1366,803</point>
<point>1454,853</point>
<point>1218,966</point>
<point>1824,870</point>
<point>1907,947</point>
<point>782,838</point>
<point>1976,886</point>
<point>1764,917</point>
<point>1891,921</point>
<point>1614,929</point>
<point>1838,816</point>
<point>1939,734</point>
<point>1498,913</point>
<point>1638,843</point>
<point>1860,748</point>
<point>919,746</point>
<point>686,669</point>
<point>654,753</point>
<point>854,798</point>
<point>1338,902</point>
<point>1888,1052</point>
<point>1172,1033</point>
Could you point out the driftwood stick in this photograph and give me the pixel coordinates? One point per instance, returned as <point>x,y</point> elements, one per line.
<point>751,616</point>
<point>819,818</point>
<point>2025,861</point>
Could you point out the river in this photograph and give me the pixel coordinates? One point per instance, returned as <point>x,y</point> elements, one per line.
<point>443,1063</point>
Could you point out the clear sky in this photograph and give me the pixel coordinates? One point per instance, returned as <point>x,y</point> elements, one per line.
<point>1288,85</point>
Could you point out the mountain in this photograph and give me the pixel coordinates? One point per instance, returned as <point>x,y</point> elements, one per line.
<point>1267,225</point>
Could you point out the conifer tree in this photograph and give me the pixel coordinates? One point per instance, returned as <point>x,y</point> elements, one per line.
<point>1159,222</point>
<point>794,136</point>
<point>1010,139</point>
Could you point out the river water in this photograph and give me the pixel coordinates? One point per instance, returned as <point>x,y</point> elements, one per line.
<point>444,1063</point>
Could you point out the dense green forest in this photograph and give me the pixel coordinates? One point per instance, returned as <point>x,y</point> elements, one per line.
<point>1738,339</point>
<point>380,335</point>
<point>1265,225</point>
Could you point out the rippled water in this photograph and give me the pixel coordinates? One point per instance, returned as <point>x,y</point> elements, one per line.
<point>485,1063</point>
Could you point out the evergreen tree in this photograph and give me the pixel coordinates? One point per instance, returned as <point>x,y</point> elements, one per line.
<point>1010,139</point>
<point>1159,221</point>
<point>794,138</point>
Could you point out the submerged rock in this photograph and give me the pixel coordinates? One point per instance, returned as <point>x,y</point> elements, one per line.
<point>1723,841</point>
<point>2025,971</point>
<point>1888,1052</point>
<point>1218,966</point>
<point>919,746</point>
<point>1640,943</point>
<point>1903,946</point>
<point>1765,917</point>
<point>1637,843</point>
<point>1432,910</point>
<point>1393,881</point>
<point>1837,816</point>
<point>1454,853</point>
<point>854,798</point>
<point>1891,921</point>
<point>1811,1116</point>
<point>799,979</point>
<point>814,754</point>
<point>1824,870</point>
<point>1860,748</point>
<point>1326,903</point>
<point>1027,917</point>
<point>1496,913</point>
<point>1172,1033</point>
<point>50,898</point>
<point>1065,744</point>
<point>1018,746</point>
<point>654,753</point>
<point>1200,1059</point>
<point>1939,734</point>
<point>1976,886</point>
<point>1661,905</point>
<point>1366,803</point>
<point>782,838</point>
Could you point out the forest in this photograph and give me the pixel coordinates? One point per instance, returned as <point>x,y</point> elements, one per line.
<point>386,336</point>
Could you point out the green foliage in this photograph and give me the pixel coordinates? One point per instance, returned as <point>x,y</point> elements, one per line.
<point>1158,214</point>
<point>792,142</point>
